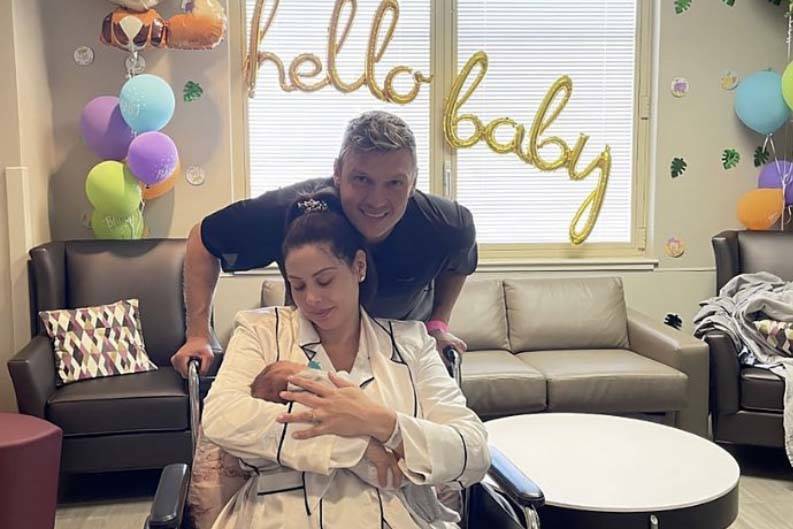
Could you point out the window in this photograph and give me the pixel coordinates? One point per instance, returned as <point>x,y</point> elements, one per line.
<point>293,136</point>
<point>519,211</point>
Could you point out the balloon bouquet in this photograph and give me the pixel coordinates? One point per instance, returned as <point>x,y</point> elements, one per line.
<point>139,162</point>
<point>763,102</point>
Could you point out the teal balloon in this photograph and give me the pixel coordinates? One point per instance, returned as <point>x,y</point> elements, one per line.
<point>147,103</point>
<point>759,102</point>
<point>117,227</point>
<point>113,189</point>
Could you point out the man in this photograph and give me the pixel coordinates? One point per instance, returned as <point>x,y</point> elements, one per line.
<point>423,246</point>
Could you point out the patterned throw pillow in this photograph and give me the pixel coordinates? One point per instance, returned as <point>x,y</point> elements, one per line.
<point>777,334</point>
<point>94,342</point>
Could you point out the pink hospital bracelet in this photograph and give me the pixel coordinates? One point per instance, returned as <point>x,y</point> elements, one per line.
<point>437,325</point>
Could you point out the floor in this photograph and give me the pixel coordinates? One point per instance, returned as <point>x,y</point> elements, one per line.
<point>122,501</point>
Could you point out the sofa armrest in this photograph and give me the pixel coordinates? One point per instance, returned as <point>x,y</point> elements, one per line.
<point>685,353</point>
<point>724,374</point>
<point>33,373</point>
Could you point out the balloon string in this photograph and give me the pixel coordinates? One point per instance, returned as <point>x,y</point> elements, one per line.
<point>785,176</point>
<point>132,62</point>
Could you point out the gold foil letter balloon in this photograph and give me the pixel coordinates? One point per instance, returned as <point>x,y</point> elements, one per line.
<point>545,116</point>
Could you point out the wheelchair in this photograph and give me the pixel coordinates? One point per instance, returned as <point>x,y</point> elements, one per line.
<point>511,504</point>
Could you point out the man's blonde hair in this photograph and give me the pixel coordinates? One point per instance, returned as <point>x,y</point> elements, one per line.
<point>377,131</point>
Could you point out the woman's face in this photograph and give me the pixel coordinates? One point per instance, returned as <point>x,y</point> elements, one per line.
<point>324,287</point>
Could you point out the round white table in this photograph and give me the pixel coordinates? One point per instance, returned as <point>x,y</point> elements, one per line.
<point>605,471</point>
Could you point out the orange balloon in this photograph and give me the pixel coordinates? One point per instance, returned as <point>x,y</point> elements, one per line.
<point>160,188</point>
<point>760,209</point>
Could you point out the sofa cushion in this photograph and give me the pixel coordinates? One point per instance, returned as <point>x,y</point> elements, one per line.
<point>273,293</point>
<point>608,381</point>
<point>495,383</point>
<point>761,390</point>
<point>153,401</point>
<point>479,317</point>
<point>576,313</point>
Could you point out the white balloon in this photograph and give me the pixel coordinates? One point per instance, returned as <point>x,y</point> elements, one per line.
<point>137,5</point>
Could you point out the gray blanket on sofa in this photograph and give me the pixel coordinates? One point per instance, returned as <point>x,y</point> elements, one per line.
<point>743,301</point>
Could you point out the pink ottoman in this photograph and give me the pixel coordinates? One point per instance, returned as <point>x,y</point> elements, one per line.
<point>30,457</point>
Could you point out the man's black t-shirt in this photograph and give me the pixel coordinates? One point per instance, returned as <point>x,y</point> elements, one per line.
<point>434,235</point>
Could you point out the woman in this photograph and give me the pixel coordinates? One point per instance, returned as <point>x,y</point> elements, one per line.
<point>372,395</point>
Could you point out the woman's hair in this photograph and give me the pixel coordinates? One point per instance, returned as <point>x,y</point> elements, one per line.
<point>318,218</point>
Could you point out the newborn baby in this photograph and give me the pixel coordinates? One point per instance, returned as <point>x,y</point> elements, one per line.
<point>379,464</point>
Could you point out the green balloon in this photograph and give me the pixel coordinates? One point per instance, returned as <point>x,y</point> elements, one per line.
<point>787,85</point>
<point>112,189</point>
<point>117,227</point>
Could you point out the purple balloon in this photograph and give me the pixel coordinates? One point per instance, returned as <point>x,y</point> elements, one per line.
<point>771,177</point>
<point>152,157</point>
<point>104,129</point>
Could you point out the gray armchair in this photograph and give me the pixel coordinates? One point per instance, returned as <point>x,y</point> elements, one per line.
<point>746,402</point>
<point>120,422</point>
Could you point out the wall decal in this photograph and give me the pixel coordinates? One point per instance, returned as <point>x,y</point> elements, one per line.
<point>680,86</point>
<point>195,175</point>
<point>729,79</point>
<point>677,167</point>
<point>681,6</point>
<point>760,156</point>
<point>673,320</point>
<point>84,56</point>
<point>730,158</point>
<point>674,247</point>
<point>192,91</point>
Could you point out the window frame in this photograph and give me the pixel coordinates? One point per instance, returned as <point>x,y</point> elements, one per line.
<point>444,65</point>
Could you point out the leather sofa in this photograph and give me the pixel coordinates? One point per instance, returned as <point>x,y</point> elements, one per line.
<point>747,402</point>
<point>120,422</point>
<point>570,345</point>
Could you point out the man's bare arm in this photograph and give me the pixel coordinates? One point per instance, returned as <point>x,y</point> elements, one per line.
<point>201,271</point>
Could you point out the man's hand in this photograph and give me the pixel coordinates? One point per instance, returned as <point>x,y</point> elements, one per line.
<point>445,339</point>
<point>274,379</point>
<point>195,347</point>
<point>386,464</point>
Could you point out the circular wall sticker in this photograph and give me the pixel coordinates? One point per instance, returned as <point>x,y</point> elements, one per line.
<point>83,56</point>
<point>679,86</point>
<point>674,247</point>
<point>195,175</point>
<point>729,79</point>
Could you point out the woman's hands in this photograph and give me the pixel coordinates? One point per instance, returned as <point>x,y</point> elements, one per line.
<point>343,410</point>
<point>386,464</point>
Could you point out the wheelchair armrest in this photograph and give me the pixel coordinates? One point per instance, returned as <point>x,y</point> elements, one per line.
<point>513,482</point>
<point>168,506</point>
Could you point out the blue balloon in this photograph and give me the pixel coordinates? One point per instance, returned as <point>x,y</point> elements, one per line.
<point>147,103</point>
<point>759,102</point>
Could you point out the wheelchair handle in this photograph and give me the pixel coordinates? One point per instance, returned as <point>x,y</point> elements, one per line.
<point>450,354</point>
